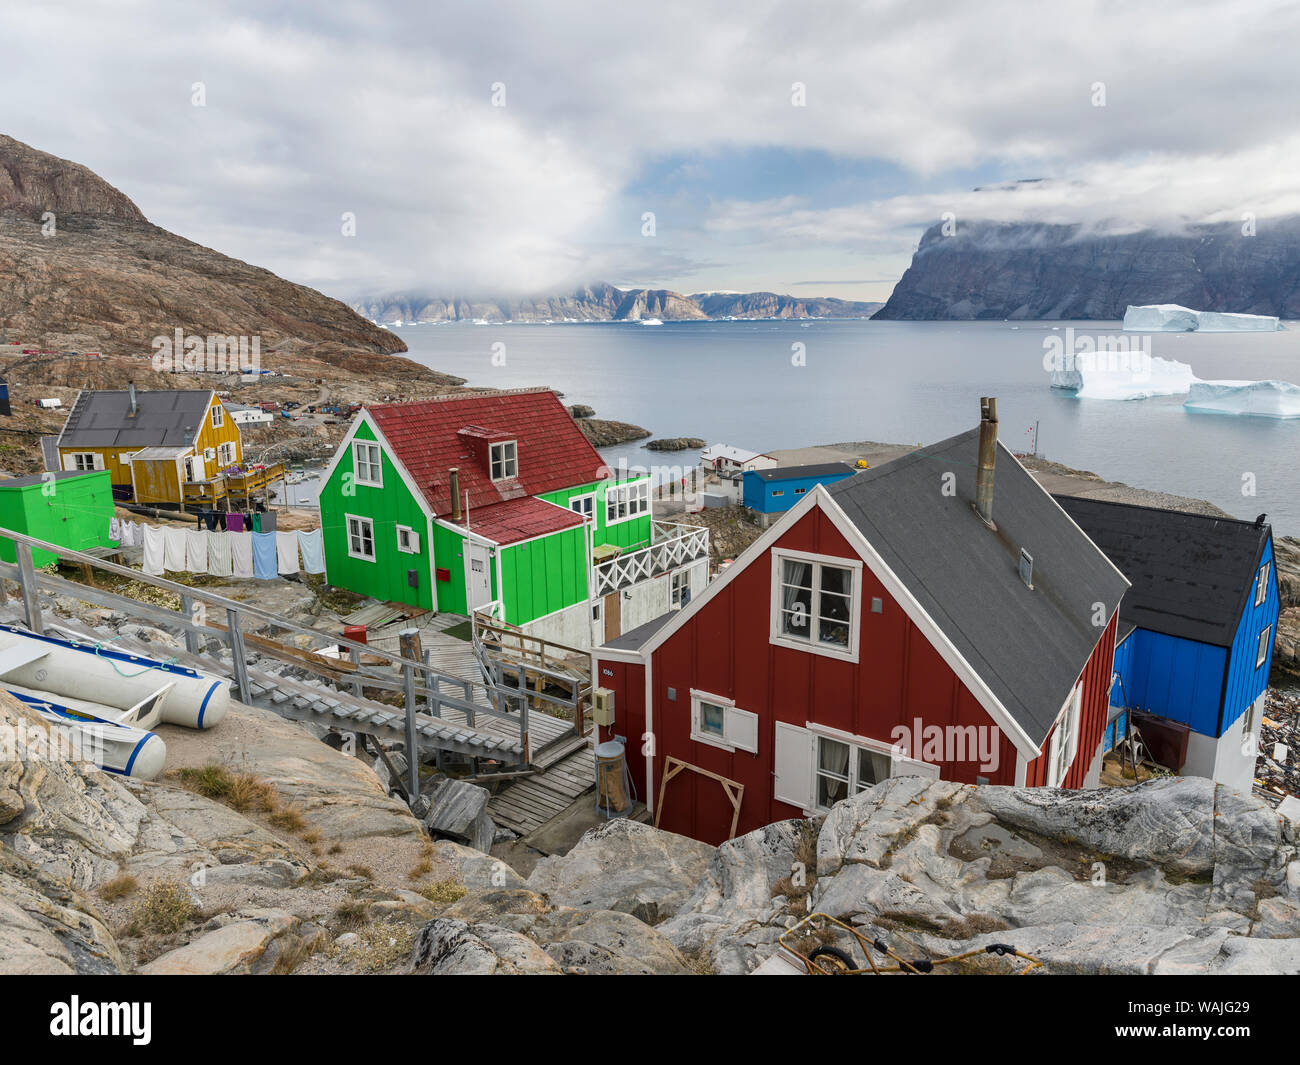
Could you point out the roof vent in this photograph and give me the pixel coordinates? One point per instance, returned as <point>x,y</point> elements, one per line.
<point>1027,568</point>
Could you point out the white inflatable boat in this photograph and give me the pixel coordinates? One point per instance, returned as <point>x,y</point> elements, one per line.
<point>112,697</point>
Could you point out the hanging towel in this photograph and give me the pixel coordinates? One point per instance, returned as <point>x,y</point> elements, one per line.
<point>255,522</point>
<point>153,550</point>
<point>174,549</point>
<point>115,529</point>
<point>312,546</point>
<point>241,553</point>
<point>219,561</point>
<point>196,551</point>
<point>286,551</point>
<point>235,522</point>
<point>210,520</point>
<point>268,521</point>
<point>264,556</point>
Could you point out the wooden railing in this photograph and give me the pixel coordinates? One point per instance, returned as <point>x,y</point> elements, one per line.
<point>205,616</point>
<point>671,546</point>
<point>233,486</point>
<point>511,654</point>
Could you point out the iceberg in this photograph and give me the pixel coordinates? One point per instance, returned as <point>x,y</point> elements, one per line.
<point>651,321</point>
<point>1092,378</point>
<point>1263,399</point>
<point>1173,318</point>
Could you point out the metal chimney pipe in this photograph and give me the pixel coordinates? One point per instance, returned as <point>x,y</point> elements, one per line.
<point>987,458</point>
<point>453,478</point>
<point>130,389</point>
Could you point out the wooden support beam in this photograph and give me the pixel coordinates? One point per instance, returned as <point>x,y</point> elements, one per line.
<point>734,790</point>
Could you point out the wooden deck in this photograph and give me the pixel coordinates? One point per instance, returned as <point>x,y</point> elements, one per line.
<point>530,802</point>
<point>235,488</point>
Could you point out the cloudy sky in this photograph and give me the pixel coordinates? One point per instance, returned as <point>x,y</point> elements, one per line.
<point>517,146</point>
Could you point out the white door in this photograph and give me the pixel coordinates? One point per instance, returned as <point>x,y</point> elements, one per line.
<point>478,578</point>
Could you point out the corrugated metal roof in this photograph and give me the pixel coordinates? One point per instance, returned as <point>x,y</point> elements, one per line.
<point>103,419</point>
<point>157,454</point>
<point>1028,645</point>
<point>1191,573</point>
<point>791,473</point>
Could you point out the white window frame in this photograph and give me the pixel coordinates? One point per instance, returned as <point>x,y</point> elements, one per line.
<point>218,415</point>
<point>857,747</point>
<point>634,495</point>
<point>348,519</point>
<point>1065,738</point>
<point>1261,582</point>
<point>225,454</point>
<point>360,462</point>
<point>412,545</point>
<point>679,584</point>
<point>777,492</point>
<point>739,727</point>
<point>95,461</point>
<point>812,644</point>
<point>1265,643</point>
<point>588,502</point>
<point>508,461</point>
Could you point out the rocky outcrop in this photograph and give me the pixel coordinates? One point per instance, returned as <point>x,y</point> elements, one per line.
<point>675,443</point>
<point>601,302</point>
<point>626,866</point>
<point>1032,270</point>
<point>103,278</point>
<point>604,433</point>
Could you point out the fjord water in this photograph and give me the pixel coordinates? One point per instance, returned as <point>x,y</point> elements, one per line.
<point>899,382</point>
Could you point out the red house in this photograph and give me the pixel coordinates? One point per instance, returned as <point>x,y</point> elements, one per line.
<point>896,622</point>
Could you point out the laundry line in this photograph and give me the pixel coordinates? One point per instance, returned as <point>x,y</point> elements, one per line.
<point>223,553</point>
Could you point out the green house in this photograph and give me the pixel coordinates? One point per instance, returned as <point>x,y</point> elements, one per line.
<point>496,501</point>
<point>71,509</point>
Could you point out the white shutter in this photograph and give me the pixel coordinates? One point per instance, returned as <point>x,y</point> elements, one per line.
<point>910,767</point>
<point>792,763</point>
<point>1053,757</point>
<point>415,542</point>
<point>99,461</point>
<point>69,462</point>
<point>742,729</point>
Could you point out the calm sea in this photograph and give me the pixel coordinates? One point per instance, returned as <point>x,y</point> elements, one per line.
<point>901,382</point>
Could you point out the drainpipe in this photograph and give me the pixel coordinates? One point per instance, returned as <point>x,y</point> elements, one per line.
<point>453,479</point>
<point>988,455</point>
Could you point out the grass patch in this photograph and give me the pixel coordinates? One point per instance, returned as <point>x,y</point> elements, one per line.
<point>444,892</point>
<point>351,915</point>
<point>118,888</point>
<point>337,848</point>
<point>164,907</point>
<point>421,870</point>
<point>362,870</point>
<point>240,791</point>
<point>288,818</point>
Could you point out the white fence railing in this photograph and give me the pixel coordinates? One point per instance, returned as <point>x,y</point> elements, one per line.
<point>671,546</point>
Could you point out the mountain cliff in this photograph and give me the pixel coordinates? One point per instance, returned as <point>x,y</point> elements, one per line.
<point>101,277</point>
<point>1024,271</point>
<point>602,302</point>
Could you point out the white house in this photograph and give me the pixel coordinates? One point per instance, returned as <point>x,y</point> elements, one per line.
<point>724,458</point>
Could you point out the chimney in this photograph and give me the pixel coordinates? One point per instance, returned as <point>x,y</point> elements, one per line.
<point>987,459</point>
<point>453,477</point>
<point>130,390</point>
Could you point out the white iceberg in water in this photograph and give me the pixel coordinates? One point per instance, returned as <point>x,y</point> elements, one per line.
<point>1263,399</point>
<point>1172,318</point>
<point>1103,377</point>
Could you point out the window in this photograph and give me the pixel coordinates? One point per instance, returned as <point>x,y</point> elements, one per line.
<point>716,721</point>
<point>225,455</point>
<point>218,416</point>
<point>844,769</point>
<point>681,589</point>
<point>1248,720</point>
<point>778,492</point>
<point>815,602</point>
<point>1265,642</point>
<point>366,464</point>
<point>361,538</point>
<point>584,505</point>
<point>84,460</point>
<point>408,540</point>
<point>800,491</point>
<point>624,501</point>
<point>505,460</point>
<point>1261,584</point>
<point>1065,739</point>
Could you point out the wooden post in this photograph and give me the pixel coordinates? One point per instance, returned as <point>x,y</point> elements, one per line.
<point>523,713</point>
<point>410,647</point>
<point>31,600</point>
<point>355,656</point>
<point>238,655</point>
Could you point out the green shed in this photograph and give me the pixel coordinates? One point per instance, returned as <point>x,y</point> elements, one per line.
<point>67,507</point>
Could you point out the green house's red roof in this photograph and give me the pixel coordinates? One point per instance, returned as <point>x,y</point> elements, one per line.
<point>432,436</point>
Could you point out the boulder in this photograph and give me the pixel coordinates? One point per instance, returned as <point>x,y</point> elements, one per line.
<point>448,946</point>
<point>458,811</point>
<point>626,866</point>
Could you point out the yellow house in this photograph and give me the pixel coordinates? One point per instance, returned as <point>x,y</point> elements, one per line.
<point>158,447</point>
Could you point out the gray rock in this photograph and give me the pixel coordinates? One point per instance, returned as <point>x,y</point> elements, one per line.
<point>448,946</point>
<point>626,866</point>
<point>457,811</point>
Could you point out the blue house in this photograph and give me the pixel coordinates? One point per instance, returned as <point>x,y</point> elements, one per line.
<point>1196,627</point>
<point>774,491</point>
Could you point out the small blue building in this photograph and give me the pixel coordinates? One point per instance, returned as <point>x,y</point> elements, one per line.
<point>1196,627</point>
<point>774,491</point>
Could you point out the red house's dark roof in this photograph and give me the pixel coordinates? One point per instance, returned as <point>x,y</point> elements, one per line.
<point>432,436</point>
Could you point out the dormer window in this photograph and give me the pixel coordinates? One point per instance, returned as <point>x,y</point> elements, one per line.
<point>504,460</point>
